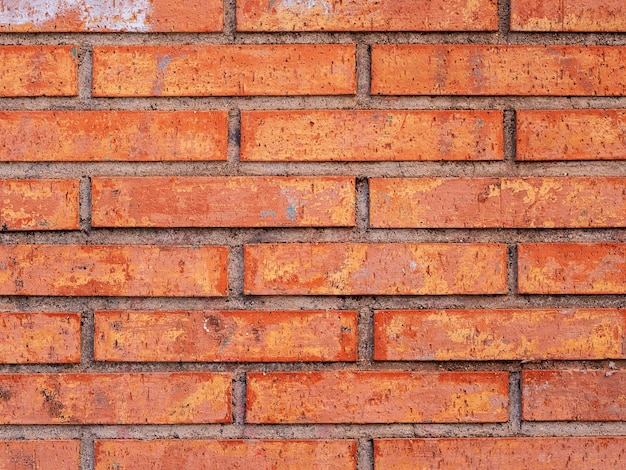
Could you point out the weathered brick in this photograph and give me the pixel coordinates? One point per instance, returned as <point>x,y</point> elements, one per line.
<point>224,70</point>
<point>113,135</point>
<point>225,336</point>
<point>155,398</point>
<point>224,201</point>
<point>538,453</point>
<point>571,135</point>
<point>111,270</point>
<point>384,15</point>
<point>505,335</point>
<point>374,269</point>
<point>458,69</point>
<point>376,397</point>
<point>572,202</point>
<point>39,338</point>
<point>573,395</point>
<point>568,15</point>
<point>39,205</point>
<point>201,455</point>
<point>38,71</point>
<point>341,135</point>
<point>572,268</point>
<point>104,16</point>
<point>29,455</point>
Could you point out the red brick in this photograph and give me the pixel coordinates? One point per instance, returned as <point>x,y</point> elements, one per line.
<point>111,270</point>
<point>28,455</point>
<point>383,15</point>
<point>498,202</point>
<point>120,15</point>
<point>224,202</point>
<point>39,205</point>
<point>225,336</point>
<point>339,135</point>
<point>519,453</point>
<point>568,15</point>
<point>205,455</point>
<point>38,136</point>
<point>571,135</point>
<point>374,269</point>
<point>39,338</point>
<point>456,69</point>
<point>155,398</point>
<point>499,335</point>
<point>38,71</point>
<point>572,268</point>
<point>376,397</point>
<point>224,70</point>
<point>573,395</point>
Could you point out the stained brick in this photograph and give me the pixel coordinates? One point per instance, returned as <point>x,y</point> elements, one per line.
<point>224,70</point>
<point>376,397</point>
<point>458,69</point>
<point>28,455</point>
<point>39,204</point>
<point>38,71</point>
<point>374,269</point>
<point>155,398</point>
<point>225,336</point>
<point>383,15</point>
<point>573,395</point>
<point>571,135</point>
<point>572,268</point>
<point>340,135</point>
<point>223,202</point>
<point>539,453</point>
<point>39,338</point>
<point>484,335</point>
<point>112,270</point>
<point>38,136</point>
<point>199,455</point>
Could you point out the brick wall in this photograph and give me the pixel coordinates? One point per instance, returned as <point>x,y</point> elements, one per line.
<point>312,234</point>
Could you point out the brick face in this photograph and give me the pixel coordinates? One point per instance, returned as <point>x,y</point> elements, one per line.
<point>26,455</point>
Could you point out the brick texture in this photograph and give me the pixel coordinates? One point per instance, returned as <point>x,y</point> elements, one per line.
<point>284,69</point>
<point>195,454</point>
<point>26,455</point>
<point>160,398</point>
<point>223,202</point>
<point>225,336</point>
<point>46,136</point>
<point>325,135</point>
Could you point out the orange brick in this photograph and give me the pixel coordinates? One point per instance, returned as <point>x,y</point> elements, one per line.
<point>28,455</point>
<point>568,15</point>
<point>225,336</point>
<point>110,270</point>
<point>224,202</point>
<point>224,70</point>
<point>325,135</point>
<point>520,453</point>
<point>384,15</point>
<point>113,135</point>
<point>374,269</point>
<point>504,335</point>
<point>121,15</point>
<point>497,202</point>
<point>573,395</point>
<point>571,135</point>
<point>155,398</point>
<point>201,455</point>
<point>377,397</point>
<point>39,205</point>
<point>38,71</point>
<point>455,69</point>
<point>572,268</point>
<point>39,338</point>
